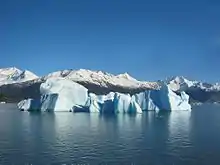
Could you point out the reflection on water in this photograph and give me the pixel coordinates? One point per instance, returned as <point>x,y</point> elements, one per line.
<point>179,125</point>
<point>168,138</point>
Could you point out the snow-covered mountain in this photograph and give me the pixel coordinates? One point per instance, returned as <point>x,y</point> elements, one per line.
<point>103,79</point>
<point>15,75</point>
<point>198,91</point>
<point>17,84</point>
<point>180,83</point>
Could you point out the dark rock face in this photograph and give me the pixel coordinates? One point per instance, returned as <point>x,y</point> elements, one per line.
<point>203,96</point>
<point>19,91</point>
<point>102,90</point>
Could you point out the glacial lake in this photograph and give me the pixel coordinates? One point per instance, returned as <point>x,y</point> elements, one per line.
<point>176,138</point>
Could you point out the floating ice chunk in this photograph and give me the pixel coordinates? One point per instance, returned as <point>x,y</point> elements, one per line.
<point>29,105</point>
<point>59,94</point>
<point>24,104</point>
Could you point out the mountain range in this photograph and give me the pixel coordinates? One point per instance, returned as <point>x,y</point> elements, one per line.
<point>16,84</point>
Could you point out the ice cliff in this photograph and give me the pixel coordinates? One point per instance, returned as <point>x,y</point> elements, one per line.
<point>59,94</point>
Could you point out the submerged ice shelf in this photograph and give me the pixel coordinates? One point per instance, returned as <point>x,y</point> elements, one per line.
<point>59,94</point>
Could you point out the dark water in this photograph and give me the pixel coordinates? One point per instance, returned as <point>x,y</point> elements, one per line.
<point>81,138</point>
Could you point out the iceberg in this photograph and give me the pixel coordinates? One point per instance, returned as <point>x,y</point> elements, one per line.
<point>59,94</point>
<point>24,105</point>
<point>62,94</point>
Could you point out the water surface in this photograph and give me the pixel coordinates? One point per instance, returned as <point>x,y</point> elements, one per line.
<point>80,138</point>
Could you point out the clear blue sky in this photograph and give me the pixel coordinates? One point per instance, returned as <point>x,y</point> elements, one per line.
<point>148,39</point>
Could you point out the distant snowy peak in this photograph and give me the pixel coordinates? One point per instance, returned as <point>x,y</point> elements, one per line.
<point>77,74</point>
<point>103,79</point>
<point>126,76</point>
<point>8,71</point>
<point>29,75</point>
<point>15,75</point>
<point>182,80</point>
<point>180,83</point>
<point>216,86</point>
